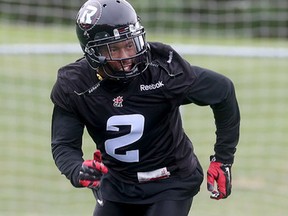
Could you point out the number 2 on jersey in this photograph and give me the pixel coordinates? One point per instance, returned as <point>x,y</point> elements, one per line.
<point>136,122</point>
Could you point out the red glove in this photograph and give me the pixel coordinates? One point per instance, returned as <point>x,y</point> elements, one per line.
<point>221,173</point>
<point>91,171</point>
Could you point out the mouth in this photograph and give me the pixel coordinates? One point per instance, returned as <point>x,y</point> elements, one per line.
<point>127,67</point>
<point>122,66</point>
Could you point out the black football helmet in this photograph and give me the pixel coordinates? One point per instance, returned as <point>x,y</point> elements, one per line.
<point>102,23</point>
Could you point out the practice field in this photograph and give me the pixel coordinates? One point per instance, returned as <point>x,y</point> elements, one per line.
<point>30,183</point>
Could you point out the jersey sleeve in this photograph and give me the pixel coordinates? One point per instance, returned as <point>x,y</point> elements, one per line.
<point>66,143</point>
<point>66,134</point>
<point>217,91</point>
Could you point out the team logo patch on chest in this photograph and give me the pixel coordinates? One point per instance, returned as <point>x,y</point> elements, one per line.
<point>117,102</point>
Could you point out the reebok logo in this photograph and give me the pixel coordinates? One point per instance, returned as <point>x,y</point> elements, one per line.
<point>157,85</point>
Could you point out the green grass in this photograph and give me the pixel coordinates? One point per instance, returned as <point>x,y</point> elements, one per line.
<point>30,183</point>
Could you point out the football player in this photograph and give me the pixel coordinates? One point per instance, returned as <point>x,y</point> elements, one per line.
<point>127,92</point>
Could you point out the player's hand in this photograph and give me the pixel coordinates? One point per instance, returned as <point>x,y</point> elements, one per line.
<point>91,171</point>
<point>221,174</point>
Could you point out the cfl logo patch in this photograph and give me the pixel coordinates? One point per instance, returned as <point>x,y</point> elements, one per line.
<point>118,101</point>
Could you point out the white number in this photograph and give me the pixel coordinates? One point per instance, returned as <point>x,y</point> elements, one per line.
<point>87,14</point>
<point>136,122</point>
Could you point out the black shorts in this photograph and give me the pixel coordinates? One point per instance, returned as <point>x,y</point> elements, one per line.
<point>164,207</point>
<point>172,188</point>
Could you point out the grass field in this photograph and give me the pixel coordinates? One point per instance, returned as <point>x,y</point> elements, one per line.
<point>31,185</point>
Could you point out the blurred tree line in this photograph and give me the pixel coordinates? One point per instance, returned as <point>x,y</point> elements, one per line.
<point>266,18</point>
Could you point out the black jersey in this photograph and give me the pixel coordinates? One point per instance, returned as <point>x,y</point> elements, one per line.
<point>137,124</point>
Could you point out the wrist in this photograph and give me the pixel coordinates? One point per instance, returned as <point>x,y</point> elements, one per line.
<point>75,177</point>
<point>215,158</point>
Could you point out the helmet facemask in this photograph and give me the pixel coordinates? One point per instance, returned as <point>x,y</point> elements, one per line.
<point>121,56</point>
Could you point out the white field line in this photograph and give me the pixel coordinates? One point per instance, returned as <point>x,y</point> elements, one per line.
<point>184,49</point>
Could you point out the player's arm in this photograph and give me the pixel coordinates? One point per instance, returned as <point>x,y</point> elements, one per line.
<point>218,92</point>
<point>66,143</point>
<point>67,133</point>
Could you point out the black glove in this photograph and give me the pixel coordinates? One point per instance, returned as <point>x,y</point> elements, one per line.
<point>91,171</point>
